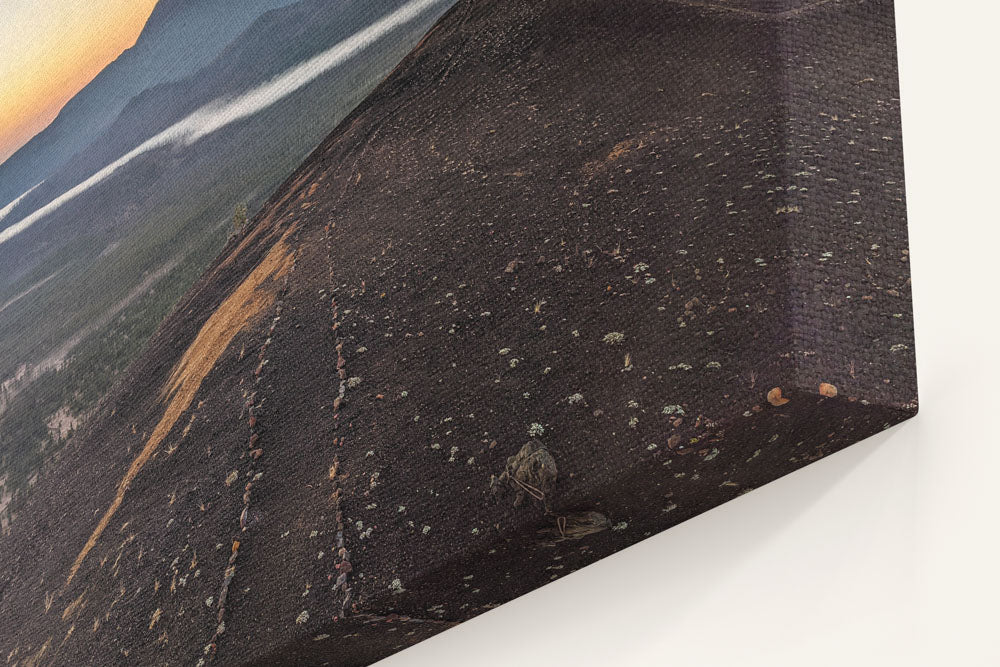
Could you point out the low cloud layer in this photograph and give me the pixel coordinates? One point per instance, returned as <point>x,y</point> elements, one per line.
<point>220,113</point>
<point>5,211</point>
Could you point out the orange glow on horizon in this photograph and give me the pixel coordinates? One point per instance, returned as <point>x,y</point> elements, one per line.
<point>51,50</point>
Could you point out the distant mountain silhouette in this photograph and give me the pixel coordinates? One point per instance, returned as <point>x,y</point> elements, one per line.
<point>180,37</point>
<point>273,43</point>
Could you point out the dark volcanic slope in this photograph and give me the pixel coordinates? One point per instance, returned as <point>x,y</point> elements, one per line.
<point>587,221</point>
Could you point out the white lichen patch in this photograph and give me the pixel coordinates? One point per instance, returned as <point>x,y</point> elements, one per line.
<point>536,430</point>
<point>396,587</point>
<point>673,410</point>
<point>302,618</point>
<point>614,338</point>
<point>353,382</point>
<point>573,399</point>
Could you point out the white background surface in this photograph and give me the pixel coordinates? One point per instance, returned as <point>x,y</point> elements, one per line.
<point>887,553</point>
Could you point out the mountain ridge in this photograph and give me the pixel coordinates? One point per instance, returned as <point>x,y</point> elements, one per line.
<point>153,58</point>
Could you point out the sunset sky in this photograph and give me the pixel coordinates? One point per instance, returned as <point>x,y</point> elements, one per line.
<point>50,49</point>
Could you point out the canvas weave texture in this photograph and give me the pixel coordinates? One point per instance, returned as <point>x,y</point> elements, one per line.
<point>560,276</point>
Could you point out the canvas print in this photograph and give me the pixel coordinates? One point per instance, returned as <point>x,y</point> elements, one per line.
<point>326,325</point>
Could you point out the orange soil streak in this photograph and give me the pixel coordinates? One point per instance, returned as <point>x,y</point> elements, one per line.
<point>36,659</point>
<point>265,223</point>
<point>619,150</point>
<point>245,303</point>
<point>73,607</point>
